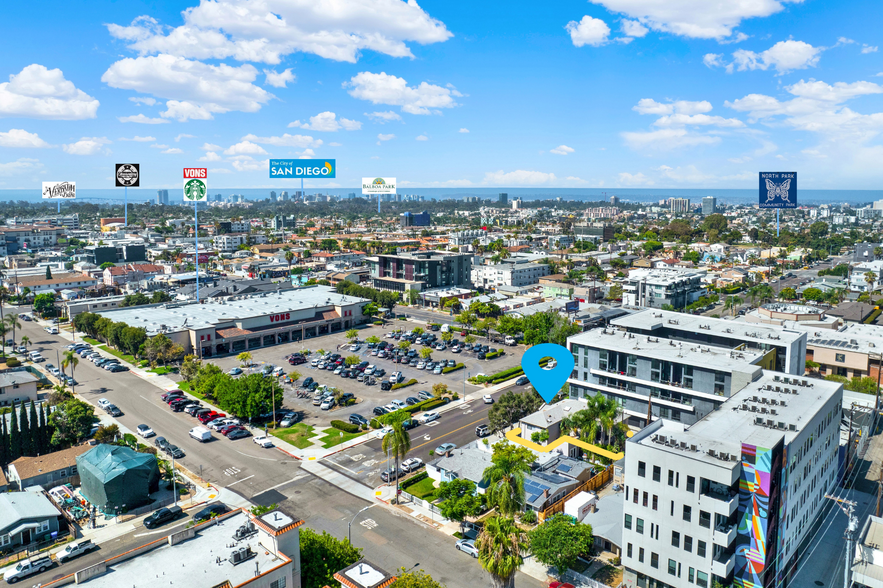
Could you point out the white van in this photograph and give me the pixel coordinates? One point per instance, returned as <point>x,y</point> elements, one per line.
<point>510,340</point>
<point>201,434</point>
<point>446,328</point>
<point>35,357</point>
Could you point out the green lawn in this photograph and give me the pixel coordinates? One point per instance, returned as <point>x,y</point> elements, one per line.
<point>161,371</point>
<point>422,489</point>
<point>298,435</point>
<point>91,341</point>
<point>119,354</point>
<point>186,387</point>
<point>333,438</point>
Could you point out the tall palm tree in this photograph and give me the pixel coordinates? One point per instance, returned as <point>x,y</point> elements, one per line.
<point>732,303</point>
<point>70,359</point>
<point>25,341</point>
<point>289,257</point>
<point>501,545</point>
<point>505,482</point>
<point>607,415</point>
<point>397,443</point>
<point>13,323</point>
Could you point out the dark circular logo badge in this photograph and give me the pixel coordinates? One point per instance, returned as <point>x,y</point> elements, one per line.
<point>128,174</point>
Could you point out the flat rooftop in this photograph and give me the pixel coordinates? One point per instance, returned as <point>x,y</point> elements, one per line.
<point>736,420</point>
<point>854,337</point>
<point>663,276</point>
<point>651,319</point>
<point>190,315</point>
<point>700,355</point>
<point>191,562</point>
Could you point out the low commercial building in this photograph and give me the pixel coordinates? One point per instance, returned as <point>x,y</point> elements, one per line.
<point>655,288</point>
<point>508,274</point>
<point>234,324</point>
<point>854,352</point>
<point>867,564</point>
<point>733,497</point>
<point>41,284</point>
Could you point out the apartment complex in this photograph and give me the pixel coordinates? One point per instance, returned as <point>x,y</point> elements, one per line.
<point>654,288</point>
<point>228,243</point>
<point>732,497</point>
<point>415,219</point>
<point>508,274</point>
<point>679,205</point>
<point>709,205</point>
<point>68,221</point>
<point>420,270</point>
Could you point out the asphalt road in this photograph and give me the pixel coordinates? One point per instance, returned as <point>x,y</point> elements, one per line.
<point>391,539</point>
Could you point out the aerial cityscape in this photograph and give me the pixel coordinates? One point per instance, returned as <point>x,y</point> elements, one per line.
<point>379,294</point>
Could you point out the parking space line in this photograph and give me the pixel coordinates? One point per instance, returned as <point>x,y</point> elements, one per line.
<point>242,480</point>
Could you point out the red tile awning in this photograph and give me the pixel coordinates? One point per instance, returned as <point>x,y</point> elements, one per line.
<point>232,332</point>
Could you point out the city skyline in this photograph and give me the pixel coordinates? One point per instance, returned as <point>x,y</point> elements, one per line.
<point>603,95</point>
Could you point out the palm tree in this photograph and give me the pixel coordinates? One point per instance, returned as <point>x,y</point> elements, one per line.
<point>12,322</point>
<point>878,252</point>
<point>352,334</point>
<point>25,341</point>
<point>607,415</point>
<point>505,482</point>
<point>70,359</point>
<point>501,546</point>
<point>289,257</point>
<point>3,332</point>
<point>732,303</point>
<point>870,278</point>
<point>397,443</point>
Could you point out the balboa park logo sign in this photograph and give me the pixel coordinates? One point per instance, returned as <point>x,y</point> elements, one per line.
<point>378,185</point>
<point>57,190</point>
<point>303,168</point>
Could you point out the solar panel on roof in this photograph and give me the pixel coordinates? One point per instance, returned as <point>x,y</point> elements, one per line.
<point>553,478</point>
<point>564,468</point>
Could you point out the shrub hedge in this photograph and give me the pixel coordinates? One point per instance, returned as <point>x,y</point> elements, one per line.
<point>410,382</point>
<point>448,370</point>
<point>495,354</point>
<point>12,362</point>
<point>345,427</point>
<point>413,480</point>
<point>504,375</point>
<point>405,413</point>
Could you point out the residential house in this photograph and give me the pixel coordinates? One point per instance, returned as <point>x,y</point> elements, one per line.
<point>40,284</point>
<point>27,517</point>
<point>554,286</point>
<point>50,470</point>
<point>119,275</point>
<point>17,386</point>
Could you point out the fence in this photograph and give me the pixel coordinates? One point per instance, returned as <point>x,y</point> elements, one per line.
<point>25,551</point>
<point>592,484</point>
<point>581,581</point>
<point>419,501</point>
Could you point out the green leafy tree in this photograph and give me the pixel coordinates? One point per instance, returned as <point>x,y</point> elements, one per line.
<point>459,500</point>
<point>71,421</point>
<point>107,434</point>
<point>189,368</point>
<point>788,294</point>
<point>106,265</point>
<point>44,304</point>
<point>511,407</point>
<point>558,542</point>
<point>505,476</point>
<point>814,294</point>
<point>501,547</point>
<point>414,579</point>
<point>48,273</point>
<point>35,432</point>
<point>322,555</point>
<point>14,435</point>
<point>244,359</point>
<point>352,335</point>
<point>25,430</point>
<point>426,353</point>
<point>12,323</point>
<point>352,360</point>
<point>71,360</point>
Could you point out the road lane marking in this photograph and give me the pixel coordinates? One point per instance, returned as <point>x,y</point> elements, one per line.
<point>242,480</point>
<point>294,479</point>
<point>254,456</point>
<point>448,433</point>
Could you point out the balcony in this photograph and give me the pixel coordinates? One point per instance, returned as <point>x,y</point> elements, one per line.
<point>725,535</point>
<point>727,500</point>
<point>722,565</point>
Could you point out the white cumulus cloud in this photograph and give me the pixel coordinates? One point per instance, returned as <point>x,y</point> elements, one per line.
<point>210,156</point>
<point>561,150</point>
<point>280,79</point>
<point>173,151</point>
<point>463,130</point>
<point>21,139</point>
<point>245,148</point>
<point>138,139</point>
<point>518,178</point>
<point>650,106</point>
<point>327,122</point>
<point>384,117</point>
<point>869,49</point>
<point>422,138</point>
<point>633,28</point>
<point>588,31</point>
<point>146,100</point>
<point>210,147</point>
<point>183,136</point>
<point>39,92</point>
<point>141,119</point>
<point>394,91</point>
<point>382,137</point>
<point>784,56</point>
<point>285,140</point>
<point>87,146</point>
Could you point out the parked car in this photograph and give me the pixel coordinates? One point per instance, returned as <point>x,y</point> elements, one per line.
<point>74,550</point>
<point>386,386</point>
<point>103,403</point>
<point>113,410</point>
<point>237,433</point>
<point>201,434</point>
<point>160,443</point>
<point>522,381</point>
<point>193,408</point>
<point>427,417</point>
<point>444,448</point>
<point>390,474</point>
<point>264,442</point>
<point>306,383</point>
<point>145,431</point>
<point>235,371</point>
<point>557,584</point>
<point>289,419</point>
<point>468,547</point>
<point>327,404</point>
<point>379,410</point>
<point>174,451</point>
<point>117,368</point>
<point>162,516</point>
<point>358,419</point>
<point>425,395</point>
<point>212,510</point>
<point>26,568</point>
<point>398,403</point>
<point>411,400</point>
<point>482,431</point>
<point>171,394</point>
<point>412,464</point>
<point>278,372</point>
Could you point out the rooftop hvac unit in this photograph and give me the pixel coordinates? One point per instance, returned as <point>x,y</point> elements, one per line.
<point>240,555</point>
<point>754,398</point>
<point>769,422</point>
<point>712,453</point>
<point>683,445</point>
<point>782,425</point>
<point>693,448</point>
<point>773,401</point>
<point>758,421</point>
<point>792,427</point>
<point>744,407</point>
<point>783,403</point>
<point>773,411</point>
<point>775,378</point>
<point>662,439</point>
<point>764,410</point>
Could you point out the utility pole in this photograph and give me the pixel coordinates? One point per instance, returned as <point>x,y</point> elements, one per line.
<point>879,492</point>
<point>848,508</point>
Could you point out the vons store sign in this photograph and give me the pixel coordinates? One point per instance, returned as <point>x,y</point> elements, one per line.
<point>278,318</point>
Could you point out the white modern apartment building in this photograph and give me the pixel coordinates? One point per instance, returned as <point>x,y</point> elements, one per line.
<point>230,242</point>
<point>654,288</point>
<point>732,497</point>
<point>508,274</point>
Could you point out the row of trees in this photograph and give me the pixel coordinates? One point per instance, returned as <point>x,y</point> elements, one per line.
<point>542,327</point>
<point>139,299</point>
<point>117,334</point>
<point>382,299</point>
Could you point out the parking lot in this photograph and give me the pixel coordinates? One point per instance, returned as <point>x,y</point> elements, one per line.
<point>368,397</point>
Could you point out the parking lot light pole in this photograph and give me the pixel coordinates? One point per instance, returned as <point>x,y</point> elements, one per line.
<point>349,527</point>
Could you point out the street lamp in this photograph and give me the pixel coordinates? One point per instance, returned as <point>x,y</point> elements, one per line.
<point>349,526</point>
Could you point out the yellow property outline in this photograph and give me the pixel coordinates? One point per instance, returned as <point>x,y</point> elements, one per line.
<point>514,437</point>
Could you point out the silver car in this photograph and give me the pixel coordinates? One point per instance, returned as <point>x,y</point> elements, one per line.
<point>468,547</point>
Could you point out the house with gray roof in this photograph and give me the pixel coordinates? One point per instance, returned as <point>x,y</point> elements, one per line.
<point>27,517</point>
<point>17,386</point>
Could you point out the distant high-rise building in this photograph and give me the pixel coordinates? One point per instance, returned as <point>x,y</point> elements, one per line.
<point>284,196</point>
<point>273,194</point>
<point>503,198</point>
<point>614,200</point>
<point>709,205</point>
<point>679,204</point>
<point>162,197</point>
<point>410,219</point>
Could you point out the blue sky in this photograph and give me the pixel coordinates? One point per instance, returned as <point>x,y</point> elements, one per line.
<point>609,93</point>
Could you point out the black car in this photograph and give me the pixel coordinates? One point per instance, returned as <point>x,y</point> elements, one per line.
<point>161,443</point>
<point>113,410</point>
<point>482,355</point>
<point>162,516</point>
<point>173,451</point>
<point>208,512</point>
<point>354,374</point>
<point>380,410</point>
<point>118,368</point>
<point>385,386</point>
<point>358,419</point>
<point>522,381</point>
<point>379,373</point>
<point>409,424</point>
<point>306,383</point>
<point>411,400</point>
<point>345,374</point>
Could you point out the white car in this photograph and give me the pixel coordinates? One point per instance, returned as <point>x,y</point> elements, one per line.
<point>384,432</point>
<point>398,403</point>
<point>279,372</point>
<point>421,365</point>
<point>52,330</point>
<point>103,403</point>
<point>327,404</point>
<point>427,417</point>
<point>264,442</point>
<point>391,407</point>
<point>145,431</point>
<point>412,464</point>
<point>315,362</point>
<point>370,370</point>
<point>488,399</point>
<point>395,377</point>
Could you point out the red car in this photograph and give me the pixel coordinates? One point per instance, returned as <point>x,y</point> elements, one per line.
<point>172,393</point>
<point>210,416</point>
<point>226,430</point>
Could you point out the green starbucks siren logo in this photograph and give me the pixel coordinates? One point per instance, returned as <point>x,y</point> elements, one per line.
<point>195,190</point>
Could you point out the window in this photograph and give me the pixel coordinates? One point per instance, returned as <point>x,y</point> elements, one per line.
<point>5,540</point>
<point>700,548</point>
<point>639,526</point>
<point>688,543</point>
<point>42,527</point>
<point>641,554</point>
<point>702,579</point>
<point>602,359</point>
<point>675,539</point>
<point>657,473</point>
<point>628,521</point>
<point>654,560</point>
<point>690,575</point>
<point>671,478</point>
<point>644,500</point>
<point>655,370</point>
<point>635,496</point>
<point>655,502</point>
<point>688,513</point>
<point>672,508</point>
<point>628,550</point>
<point>62,474</point>
<point>280,583</point>
<point>691,484</point>
<point>688,377</point>
<point>719,383</point>
<point>672,567</point>
<point>664,412</point>
<point>632,366</point>
<point>704,519</point>
<point>642,469</point>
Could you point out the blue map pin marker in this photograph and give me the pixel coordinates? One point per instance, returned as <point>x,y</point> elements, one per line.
<point>547,382</point>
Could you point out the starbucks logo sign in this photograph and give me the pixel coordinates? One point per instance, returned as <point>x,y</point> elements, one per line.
<point>195,190</point>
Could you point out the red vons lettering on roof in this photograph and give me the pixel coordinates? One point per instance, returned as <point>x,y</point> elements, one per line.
<point>195,172</point>
<point>275,318</point>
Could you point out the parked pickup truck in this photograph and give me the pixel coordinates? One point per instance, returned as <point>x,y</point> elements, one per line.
<point>201,434</point>
<point>28,568</point>
<point>75,550</point>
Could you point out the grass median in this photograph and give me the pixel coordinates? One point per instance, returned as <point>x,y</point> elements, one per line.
<point>334,437</point>
<point>298,435</point>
